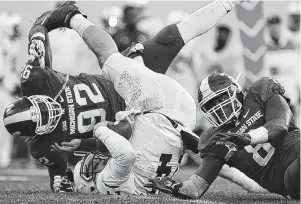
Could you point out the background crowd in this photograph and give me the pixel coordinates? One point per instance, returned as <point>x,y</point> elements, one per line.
<point>220,50</point>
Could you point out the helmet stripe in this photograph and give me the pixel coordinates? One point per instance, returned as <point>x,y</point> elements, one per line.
<point>18,117</point>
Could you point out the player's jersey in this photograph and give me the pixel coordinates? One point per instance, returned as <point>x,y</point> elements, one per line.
<point>256,160</point>
<point>86,99</point>
<point>159,149</point>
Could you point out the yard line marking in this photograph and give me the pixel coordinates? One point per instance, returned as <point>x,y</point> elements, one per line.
<point>14,178</point>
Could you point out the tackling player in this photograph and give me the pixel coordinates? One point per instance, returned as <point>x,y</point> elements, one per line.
<point>253,132</point>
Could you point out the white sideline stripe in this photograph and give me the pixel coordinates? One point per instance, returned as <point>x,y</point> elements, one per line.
<point>14,178</point>
<point>18,117</point>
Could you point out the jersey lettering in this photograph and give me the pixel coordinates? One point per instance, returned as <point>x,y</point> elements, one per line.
<point>262,153</point>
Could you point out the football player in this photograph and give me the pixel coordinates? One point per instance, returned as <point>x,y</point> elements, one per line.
<point>253,131</point>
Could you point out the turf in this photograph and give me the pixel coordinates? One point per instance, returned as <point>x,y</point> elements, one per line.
<point>31,186</point>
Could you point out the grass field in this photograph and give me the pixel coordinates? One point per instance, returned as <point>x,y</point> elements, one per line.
<point>31,186</point>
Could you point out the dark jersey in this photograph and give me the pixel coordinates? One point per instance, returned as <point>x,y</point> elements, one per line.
<point>255,161</point>
<point>86,99</point>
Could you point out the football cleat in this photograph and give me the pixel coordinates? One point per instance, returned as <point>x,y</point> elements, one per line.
<point>59,17</point>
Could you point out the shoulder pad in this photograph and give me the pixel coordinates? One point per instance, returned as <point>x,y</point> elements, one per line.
<point>266,87</point>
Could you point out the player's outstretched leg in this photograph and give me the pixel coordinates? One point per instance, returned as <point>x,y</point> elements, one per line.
<point>292,179</point>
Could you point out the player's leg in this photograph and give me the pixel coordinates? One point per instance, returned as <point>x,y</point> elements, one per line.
<point>132,80</point>
<point>205,18</point>
<point>292,174</point>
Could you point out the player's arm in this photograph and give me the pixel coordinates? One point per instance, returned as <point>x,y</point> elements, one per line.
<point>232,174</point>
<point>278,115</point>
<point>123,128</point>
<point>123,156</point>
<point>39,46</point>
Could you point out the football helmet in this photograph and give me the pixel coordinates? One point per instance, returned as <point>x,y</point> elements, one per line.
<point>33,115</point>
<point>220,99</point>
<point>86,169</point>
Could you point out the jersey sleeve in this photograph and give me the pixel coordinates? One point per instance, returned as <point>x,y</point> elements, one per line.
<point>265,88</point>
<point>161,50</point>
<point>118,168</point>
<point>34,80</point>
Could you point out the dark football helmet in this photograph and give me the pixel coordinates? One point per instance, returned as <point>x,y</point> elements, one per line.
<point>30,116</point>
<point>220,99</point>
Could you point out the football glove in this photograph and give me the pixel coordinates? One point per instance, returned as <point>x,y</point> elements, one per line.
<point>64,184</point>
<point>36,51</point>
<point>168,186</point>
<point>240,140</point>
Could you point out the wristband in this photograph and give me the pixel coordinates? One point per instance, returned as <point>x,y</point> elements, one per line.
<point>259,135</point>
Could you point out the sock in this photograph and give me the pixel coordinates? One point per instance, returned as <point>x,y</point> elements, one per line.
<point>229,5</point>
<point>80,24</point>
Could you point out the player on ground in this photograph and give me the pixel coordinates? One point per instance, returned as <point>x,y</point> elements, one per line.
<point>254,132</point>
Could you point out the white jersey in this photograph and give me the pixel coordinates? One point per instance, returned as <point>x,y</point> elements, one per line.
<point>158,148</point>
<point>157,144</point>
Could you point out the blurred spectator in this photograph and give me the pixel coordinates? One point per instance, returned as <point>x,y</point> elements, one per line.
<point>275,39</point>
<point>9,78</point>
<point>294,23</point>
<point>150,25</point>
<point>110,19</point>
<point>224,55</point>
<point>282,62</point>
<point>132,14</point>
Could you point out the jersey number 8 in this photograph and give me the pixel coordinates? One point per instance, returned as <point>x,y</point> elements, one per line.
<point>262,153</point>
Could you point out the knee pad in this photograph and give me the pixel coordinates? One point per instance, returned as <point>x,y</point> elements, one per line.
<point>168,35</point>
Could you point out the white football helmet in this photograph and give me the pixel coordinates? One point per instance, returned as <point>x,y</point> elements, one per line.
<point>86,169</point>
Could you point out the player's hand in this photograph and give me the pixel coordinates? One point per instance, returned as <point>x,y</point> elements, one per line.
<point>239,139</point>
<point>104,123</point>
<point>168,186</point>
<point>62,185</point>
<point>67,146</point>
